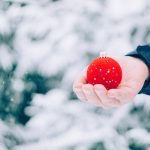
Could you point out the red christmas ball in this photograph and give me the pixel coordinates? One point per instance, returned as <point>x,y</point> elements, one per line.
<point>105,71</point>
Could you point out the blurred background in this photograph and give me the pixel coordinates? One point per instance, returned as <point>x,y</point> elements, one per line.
<point>44,44</point>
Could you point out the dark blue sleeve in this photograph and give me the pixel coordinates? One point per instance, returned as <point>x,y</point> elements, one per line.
<point>143,53</point>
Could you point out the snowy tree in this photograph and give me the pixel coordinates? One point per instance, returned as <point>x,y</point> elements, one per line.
<point>43,46</point>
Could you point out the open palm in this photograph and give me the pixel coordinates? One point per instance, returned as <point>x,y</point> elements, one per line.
<point>135,73</point>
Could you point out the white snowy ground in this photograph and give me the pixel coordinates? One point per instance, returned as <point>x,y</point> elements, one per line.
<point>76,29</point>
<point>60,124</point>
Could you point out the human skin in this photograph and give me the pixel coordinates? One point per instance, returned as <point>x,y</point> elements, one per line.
<point>134,74</point>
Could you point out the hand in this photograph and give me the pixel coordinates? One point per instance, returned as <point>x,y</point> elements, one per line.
<point>134,71</point>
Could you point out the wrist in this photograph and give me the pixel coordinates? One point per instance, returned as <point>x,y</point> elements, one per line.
<point>145,68</point>
<point>143,54</point>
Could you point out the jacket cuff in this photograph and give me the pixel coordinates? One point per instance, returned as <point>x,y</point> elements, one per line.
<point>143,53</point>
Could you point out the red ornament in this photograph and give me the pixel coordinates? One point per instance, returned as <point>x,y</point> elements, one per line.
<point>105,71</point>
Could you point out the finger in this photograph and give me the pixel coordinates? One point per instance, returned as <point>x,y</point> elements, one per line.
<point>79,82</point>
<point>101,91</point>
<point>90,94</point>
<point>77,86</point>
<point>80,94</point>
<point>106,101</point>
<point>78,91</point>
<point>119,94</point>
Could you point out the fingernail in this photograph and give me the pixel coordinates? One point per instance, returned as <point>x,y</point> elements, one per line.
<point>96,87</point>
<point>76,89</point>
<point>79,85</point>
<point>86,87</point>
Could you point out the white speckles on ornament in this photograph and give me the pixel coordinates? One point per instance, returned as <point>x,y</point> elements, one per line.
<point>95,79</point>
<point>100,70</point>
<point>96,68</point>
<point>113,68</point>
<point>108,71</point>
<point>103,78</point>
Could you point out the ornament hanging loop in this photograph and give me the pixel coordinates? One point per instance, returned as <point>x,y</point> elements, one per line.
<point>103,54</point>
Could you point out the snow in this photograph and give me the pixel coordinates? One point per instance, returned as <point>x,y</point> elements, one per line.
<point>7,59</point>
<point>62,126</point>
<point>62,37</point>
<point>119,9</point>
<point>4,24</point>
